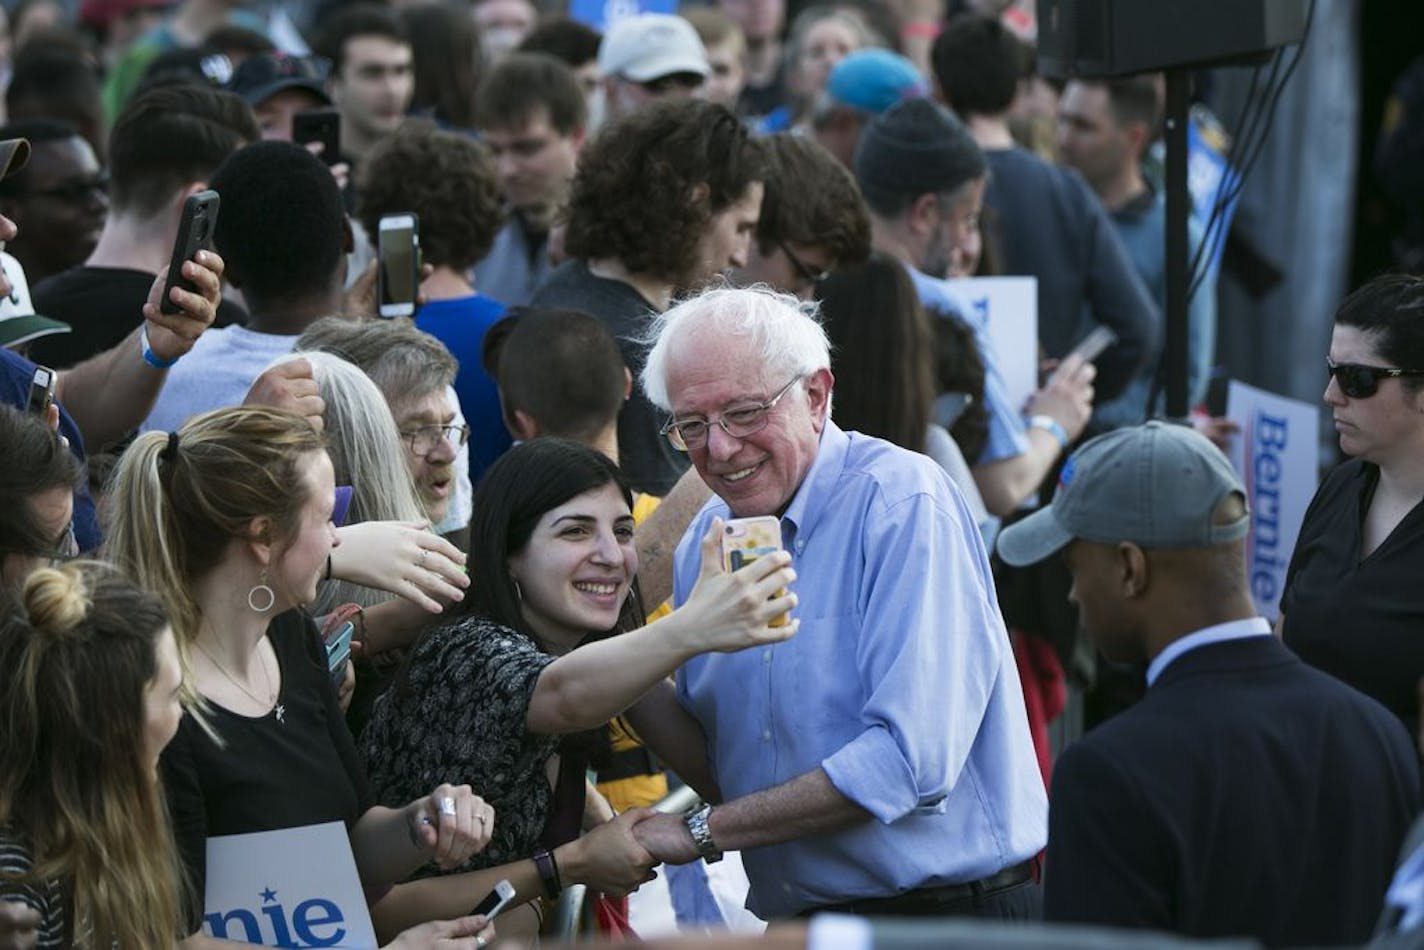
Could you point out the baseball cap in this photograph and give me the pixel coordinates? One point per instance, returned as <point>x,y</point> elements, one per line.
<point>18,321</point>
<point>873,80</point>
<point>916,147</point>
<point>14,153</point>
<point>1156,485</point>
<point>651,45</point>
<point>260,77</point>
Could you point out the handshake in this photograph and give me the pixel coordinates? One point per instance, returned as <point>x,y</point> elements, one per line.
<point>618,856</point>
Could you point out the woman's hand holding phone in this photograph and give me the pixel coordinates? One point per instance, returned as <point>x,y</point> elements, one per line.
<point>731,611</point>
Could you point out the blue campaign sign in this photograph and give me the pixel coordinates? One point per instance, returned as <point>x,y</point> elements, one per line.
<point>1206,169</point>
<point>600,14</point>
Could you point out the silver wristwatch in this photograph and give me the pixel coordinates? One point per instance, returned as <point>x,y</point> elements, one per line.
<point>702,835</point>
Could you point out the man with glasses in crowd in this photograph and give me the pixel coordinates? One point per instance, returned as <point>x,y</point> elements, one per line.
<point>649,57</point>
<point>879,761</point>
<point>59,201</point>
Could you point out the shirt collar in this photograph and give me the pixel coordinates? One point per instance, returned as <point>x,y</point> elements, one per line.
<point>1220,633</point>
<point>810,500</point>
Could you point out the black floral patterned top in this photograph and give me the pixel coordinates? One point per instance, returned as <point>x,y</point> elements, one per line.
<point>457,715</point>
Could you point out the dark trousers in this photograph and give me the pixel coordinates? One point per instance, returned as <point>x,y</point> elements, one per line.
<point>1019,901</point>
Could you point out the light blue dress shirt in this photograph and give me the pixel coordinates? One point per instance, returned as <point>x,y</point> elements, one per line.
<point>1007,436</point>
<point>1219,633</point>
<point>901,684</point>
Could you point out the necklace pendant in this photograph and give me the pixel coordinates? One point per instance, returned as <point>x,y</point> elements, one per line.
<point>281,713</point>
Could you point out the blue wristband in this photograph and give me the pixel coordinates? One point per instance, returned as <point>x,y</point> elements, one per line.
<point>1053,427</point>
<point>150,357</point>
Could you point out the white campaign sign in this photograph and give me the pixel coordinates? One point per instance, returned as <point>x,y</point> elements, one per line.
<point>1277,455</point>
<point>1008,308</point>
<point>291,888</point>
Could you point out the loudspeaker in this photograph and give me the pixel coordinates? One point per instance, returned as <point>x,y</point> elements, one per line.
<point>1098,38</point>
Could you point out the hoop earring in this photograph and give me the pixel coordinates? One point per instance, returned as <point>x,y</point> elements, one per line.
<point>259,591</point>
<point>518,594</point>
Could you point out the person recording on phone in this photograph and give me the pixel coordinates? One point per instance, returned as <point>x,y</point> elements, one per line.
<point>840,762</point>
<point>290,268</point>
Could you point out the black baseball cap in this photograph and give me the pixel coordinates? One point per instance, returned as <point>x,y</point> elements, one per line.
<point>261,77</point>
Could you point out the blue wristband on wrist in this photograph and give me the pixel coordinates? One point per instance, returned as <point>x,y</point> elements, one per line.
<point>1053,427</point>
<point>150,357</point>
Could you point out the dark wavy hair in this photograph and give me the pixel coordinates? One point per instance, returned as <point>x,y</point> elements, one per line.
<point>811,199</point>
<point>630,197</point>
<point>446,179</point>
<point>521,487</point>
<point>1390,309</point>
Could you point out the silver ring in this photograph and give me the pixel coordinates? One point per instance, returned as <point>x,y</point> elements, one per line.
<point>480,942</point>
<point>420,561</point>
<point>447,806</point>
<point>480,819</point>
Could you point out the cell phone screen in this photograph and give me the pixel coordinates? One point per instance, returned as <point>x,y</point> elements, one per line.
<point>397,249</point>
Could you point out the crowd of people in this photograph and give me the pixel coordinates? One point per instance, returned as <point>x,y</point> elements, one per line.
<point>677,271</point>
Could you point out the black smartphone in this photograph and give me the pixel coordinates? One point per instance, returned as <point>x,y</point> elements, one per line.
<point>42,391</point>
<point>495,901</point>
<point>195,233</point>
<point>319,125</point>
<point>398,267</point>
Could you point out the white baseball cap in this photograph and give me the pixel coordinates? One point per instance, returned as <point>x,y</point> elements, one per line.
<point>650,46</point>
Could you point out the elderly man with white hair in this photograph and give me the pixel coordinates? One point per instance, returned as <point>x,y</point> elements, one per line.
<point>878,762</point>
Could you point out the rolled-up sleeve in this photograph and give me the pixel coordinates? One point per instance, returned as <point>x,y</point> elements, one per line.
<point>927,656</point>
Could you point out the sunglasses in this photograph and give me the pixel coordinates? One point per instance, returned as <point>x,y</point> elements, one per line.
<point>1361,382</point>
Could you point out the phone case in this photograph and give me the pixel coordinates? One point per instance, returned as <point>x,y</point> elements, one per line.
<point>746,539</point>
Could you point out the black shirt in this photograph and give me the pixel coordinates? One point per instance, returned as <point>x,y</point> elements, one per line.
<point>652,465</point>
<point>1362,621</point>
<point>102,306</point>
<point>295,766</point>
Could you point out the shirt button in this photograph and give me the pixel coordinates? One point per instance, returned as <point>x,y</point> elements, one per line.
<point>800,546</point>
<point>766,736</point>
<point>766,657</point>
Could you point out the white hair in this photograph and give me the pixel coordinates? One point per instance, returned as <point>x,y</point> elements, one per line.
<point>785,333</point>
<point>366,453</point>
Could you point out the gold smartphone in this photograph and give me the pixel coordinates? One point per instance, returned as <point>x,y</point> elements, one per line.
<point>746,539</point>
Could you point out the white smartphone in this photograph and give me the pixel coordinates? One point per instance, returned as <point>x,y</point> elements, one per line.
<point>398,267</point>
<point>1094,343</point>
<point>495,901</point>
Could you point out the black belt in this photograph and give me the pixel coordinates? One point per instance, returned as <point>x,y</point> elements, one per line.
<point>929,901</point>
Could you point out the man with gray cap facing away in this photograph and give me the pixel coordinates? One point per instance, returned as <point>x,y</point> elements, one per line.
<point>923,179</point>
<point>1247,793</point>
<point>648,57</point>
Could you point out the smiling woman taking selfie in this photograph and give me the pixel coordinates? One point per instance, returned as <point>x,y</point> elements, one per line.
<point>514,697</point>
<point>1353,605</point>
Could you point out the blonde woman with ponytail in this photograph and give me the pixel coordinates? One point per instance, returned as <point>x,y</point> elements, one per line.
<point>89,687</point>
<point>228,520</point>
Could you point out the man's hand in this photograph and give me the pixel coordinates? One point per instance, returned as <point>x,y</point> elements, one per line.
<point>1219,429</point>
<point>170,335</point>
<point>19,926</point>
<point>609,858</point>
<point>666,838</point>
<point>1067,396</point>
<point>359,302</point>
<point>289,385</point>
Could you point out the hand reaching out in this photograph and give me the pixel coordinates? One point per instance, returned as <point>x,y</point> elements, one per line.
<point>452,823</point>
<point>666,838</point>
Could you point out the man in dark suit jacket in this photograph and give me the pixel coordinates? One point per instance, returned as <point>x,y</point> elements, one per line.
<point>1247,794</point>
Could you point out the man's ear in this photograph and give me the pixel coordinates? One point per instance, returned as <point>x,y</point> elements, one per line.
<point>1134,570</point>
<point>818,395</point>
<point>523,426</point>
<point>923,214</point>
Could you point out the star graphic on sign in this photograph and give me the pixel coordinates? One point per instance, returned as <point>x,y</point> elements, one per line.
<point>269,896</point>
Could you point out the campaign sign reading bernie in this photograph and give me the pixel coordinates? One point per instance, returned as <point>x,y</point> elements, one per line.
<point>1277,457</point>
<point>291,888</point>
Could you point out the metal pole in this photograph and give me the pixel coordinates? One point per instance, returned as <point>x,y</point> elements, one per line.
<point>1178,206</point>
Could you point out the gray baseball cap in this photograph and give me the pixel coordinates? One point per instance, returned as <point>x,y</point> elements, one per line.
<point>1156,485</point>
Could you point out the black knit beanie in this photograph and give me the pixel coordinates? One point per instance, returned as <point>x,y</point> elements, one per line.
<point>917,147</point>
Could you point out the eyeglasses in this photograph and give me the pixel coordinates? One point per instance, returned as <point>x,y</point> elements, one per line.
<point>803,270</point>
<point>422,441</point>
<point>665,84</point>
<point>738,423</point>
<point>75,192</point>
<point>1361,382</point>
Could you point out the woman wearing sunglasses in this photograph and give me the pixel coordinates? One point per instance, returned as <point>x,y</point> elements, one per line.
<point>1354,604</point>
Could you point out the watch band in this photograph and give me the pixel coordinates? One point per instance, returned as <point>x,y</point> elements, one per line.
<point>548,872</point>
<point>702,835</point>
